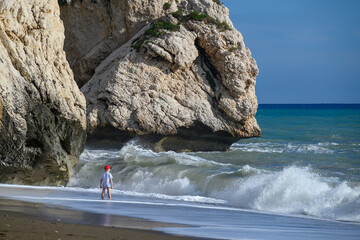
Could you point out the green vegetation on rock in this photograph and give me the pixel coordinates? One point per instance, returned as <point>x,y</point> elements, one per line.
<point>217,2</point>
<point>166,6</point>
<point>178,14</point>
<point>233,48</point>
<point>156,30</point>
<point>197,16</point>
<point>137,43</point>
<point>222,26</point>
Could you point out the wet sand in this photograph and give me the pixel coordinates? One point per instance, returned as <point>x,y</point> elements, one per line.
<point>24,220</point>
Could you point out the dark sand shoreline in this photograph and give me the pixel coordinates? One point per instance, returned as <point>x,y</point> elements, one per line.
<point>25,220</point>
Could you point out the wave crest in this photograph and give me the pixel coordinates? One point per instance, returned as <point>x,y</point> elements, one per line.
<point>294,190</point>
<point>269,147</point>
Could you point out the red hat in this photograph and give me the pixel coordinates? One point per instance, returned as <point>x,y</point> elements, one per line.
<point>107,167</point>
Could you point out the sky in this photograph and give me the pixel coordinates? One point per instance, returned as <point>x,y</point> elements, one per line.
<point>307,51</point>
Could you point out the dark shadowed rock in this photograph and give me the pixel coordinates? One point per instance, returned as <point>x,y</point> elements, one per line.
<point>42,112</point>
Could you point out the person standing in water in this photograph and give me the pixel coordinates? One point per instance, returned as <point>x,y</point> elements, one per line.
<point>106,182</point>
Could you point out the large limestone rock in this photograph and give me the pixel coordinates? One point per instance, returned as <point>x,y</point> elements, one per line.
<point>187,88</point>
<point>96,28</point>
<point>42,112</point>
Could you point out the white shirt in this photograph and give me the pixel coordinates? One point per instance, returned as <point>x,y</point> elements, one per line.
<point>106,176</point>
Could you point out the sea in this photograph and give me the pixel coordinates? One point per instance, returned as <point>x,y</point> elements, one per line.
<point>300,180</point>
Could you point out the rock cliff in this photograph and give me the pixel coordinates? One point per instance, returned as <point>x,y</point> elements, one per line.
<point>42,111</point>
<point>185,81</point>
<point>174,74</point>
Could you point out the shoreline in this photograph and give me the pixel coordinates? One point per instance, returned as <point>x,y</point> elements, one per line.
<point>26,220</point>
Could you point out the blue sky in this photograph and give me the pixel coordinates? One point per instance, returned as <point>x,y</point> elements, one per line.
<point>307,51</point>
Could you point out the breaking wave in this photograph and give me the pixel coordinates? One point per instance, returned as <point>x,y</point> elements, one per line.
<point>187,177</point>
<point>270,147</point>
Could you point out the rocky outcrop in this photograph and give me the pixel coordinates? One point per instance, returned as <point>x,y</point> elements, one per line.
<point>42,112</point>
<point>184,82</point>
<point>174,74</point>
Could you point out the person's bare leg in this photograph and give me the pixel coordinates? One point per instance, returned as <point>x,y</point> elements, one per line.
<point>109,193</point>
<point>102,194</point>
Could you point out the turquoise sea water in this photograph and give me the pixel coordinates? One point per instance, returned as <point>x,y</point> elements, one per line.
<point>300,180</point>
<point>323,136</point>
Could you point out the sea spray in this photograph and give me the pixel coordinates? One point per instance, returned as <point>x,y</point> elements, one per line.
<point>271,147</point>
<point>190,177</point>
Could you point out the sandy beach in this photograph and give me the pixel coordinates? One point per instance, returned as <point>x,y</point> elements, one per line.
<point>24,220</point>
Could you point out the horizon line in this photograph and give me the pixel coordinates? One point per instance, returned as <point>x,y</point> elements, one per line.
<point>310,103</point>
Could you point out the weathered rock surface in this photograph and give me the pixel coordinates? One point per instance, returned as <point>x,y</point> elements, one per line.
<point>96,28</point>
<point>187,89</point>
<point>42,112</point>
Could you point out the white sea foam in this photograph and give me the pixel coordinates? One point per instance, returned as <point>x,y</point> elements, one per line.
<point>184,177</point>
<point>295,190</point>
<point>269,147</point>
<point>136,154</point>
<point>328,144</point>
